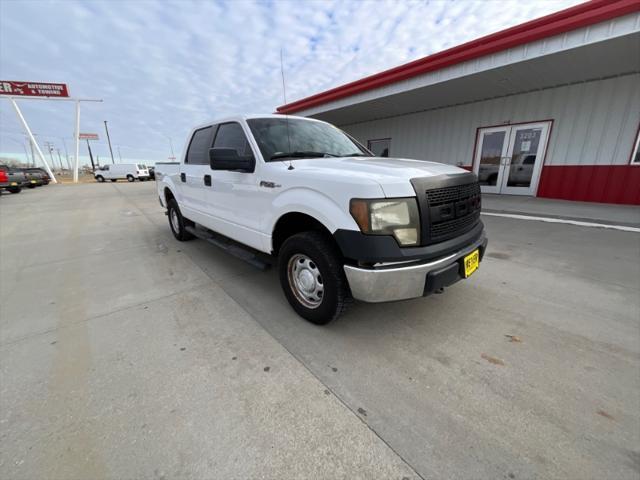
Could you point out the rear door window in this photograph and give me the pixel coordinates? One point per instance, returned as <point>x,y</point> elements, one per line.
<point>198,153</point>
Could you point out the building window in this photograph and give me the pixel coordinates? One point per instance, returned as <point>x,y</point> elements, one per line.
<point>381,147</point>
<point>635,154</point>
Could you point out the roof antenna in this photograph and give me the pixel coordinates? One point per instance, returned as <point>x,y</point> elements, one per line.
<point>284,95</point>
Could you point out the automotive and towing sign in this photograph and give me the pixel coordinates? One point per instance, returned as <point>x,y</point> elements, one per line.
<point>33,89</point>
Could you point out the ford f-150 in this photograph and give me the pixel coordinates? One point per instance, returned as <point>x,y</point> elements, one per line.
<point>340,223</point>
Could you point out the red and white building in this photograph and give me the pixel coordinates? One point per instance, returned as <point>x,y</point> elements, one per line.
<point>549,108</point>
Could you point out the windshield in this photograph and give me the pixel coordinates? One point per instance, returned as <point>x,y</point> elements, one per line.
<point>306,138</point>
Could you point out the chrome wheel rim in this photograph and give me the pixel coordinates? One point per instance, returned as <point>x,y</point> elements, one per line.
<point>305,280</point>
<point>175,221</point>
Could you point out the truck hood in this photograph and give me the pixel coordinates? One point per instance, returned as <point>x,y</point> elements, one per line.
<point>392,174</point>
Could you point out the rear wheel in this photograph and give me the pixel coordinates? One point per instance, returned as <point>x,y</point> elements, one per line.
<point>177,222</point>
<point>100,178</point>
<point>312,277</point>
<point>130,178</point>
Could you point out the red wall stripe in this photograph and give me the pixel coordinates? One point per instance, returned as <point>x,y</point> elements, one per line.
<point>591,183</point>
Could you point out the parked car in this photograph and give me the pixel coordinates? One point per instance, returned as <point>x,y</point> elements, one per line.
<point>122,171</point>
<point>15,180</point>
<point>152,172</point>
<point>36,176</point>
<point>339,222</point>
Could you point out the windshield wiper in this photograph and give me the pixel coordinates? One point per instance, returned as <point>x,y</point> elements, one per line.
<point>356,154</point>
<point>300,154</point>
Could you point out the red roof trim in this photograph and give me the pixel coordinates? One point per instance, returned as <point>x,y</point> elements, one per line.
<point>582,15</point>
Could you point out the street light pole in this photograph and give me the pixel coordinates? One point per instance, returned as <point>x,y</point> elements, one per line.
<point>109,141</point>
<point>119,155</point>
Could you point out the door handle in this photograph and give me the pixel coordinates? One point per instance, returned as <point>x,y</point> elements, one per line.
<point>183,177</point>
<point>207,180</point>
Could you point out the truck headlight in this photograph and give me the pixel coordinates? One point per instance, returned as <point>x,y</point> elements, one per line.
<point>393,216</point>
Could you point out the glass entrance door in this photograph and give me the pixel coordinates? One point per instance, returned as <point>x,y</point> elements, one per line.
<point>509,158</point>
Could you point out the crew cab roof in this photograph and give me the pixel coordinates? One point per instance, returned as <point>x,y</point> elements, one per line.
<point>238,118</point>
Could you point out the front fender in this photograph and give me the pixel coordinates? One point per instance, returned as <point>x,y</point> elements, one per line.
<point>313,203</point>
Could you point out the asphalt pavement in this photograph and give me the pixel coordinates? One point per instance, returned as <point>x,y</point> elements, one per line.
<point>127,354</point>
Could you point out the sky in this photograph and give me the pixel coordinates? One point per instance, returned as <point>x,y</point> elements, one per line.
<point>162,67</point>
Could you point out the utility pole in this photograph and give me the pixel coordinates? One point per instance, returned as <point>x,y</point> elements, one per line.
<point>119,156</point>
<point>49,147</point>
<point>25,150</point>
<point>109,141</point>
<point>93,167</point>
<point>66,152</point>
<point>33,157</point>
<point>60,159</point>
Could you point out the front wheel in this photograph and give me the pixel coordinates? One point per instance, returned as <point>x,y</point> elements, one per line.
<point>312,277</point>
<point>130,178</point>
<point>100,178</point>
<point>177,222</point>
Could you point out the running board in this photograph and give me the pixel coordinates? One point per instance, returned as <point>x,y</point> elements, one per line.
<point>257,259</point>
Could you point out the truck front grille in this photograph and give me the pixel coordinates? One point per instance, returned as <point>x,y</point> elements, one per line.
<point>449,206</point>
<point>438,196</point>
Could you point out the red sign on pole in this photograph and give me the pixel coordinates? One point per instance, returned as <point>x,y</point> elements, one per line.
<point>33,89</point>
<point>88,136</point>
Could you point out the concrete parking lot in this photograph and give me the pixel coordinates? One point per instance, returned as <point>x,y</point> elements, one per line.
<point>126,354</point>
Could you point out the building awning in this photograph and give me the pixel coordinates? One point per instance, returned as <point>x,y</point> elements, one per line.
<point>597,39</point>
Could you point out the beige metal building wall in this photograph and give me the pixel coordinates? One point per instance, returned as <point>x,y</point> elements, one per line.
<point>594,123</point>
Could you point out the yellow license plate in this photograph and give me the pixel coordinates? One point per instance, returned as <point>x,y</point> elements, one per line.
<point>14,184</point>
<point>471,263</point>
<point>33,181</point>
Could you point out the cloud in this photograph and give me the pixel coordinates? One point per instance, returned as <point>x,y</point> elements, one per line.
<point>162,67</point>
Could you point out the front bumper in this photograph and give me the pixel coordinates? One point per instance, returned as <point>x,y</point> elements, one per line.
<point>401,282</point>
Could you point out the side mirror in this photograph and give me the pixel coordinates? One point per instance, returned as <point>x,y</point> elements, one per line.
<point>228,159</point>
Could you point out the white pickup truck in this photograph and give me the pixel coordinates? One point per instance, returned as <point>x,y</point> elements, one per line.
<point>340,223</point>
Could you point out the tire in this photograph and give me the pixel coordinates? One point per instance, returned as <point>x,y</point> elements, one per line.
<point>15,189</point>
<point>130,178</point>
<point>114,179</point>
<point>100,178</point>
<point>32,185</point>
<point>327,294</point>
<point>177,222</point>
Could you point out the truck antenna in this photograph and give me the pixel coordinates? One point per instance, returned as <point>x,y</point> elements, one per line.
<point>284,95</point>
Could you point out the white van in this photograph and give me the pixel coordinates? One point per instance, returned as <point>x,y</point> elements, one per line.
<point>130,171</point>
